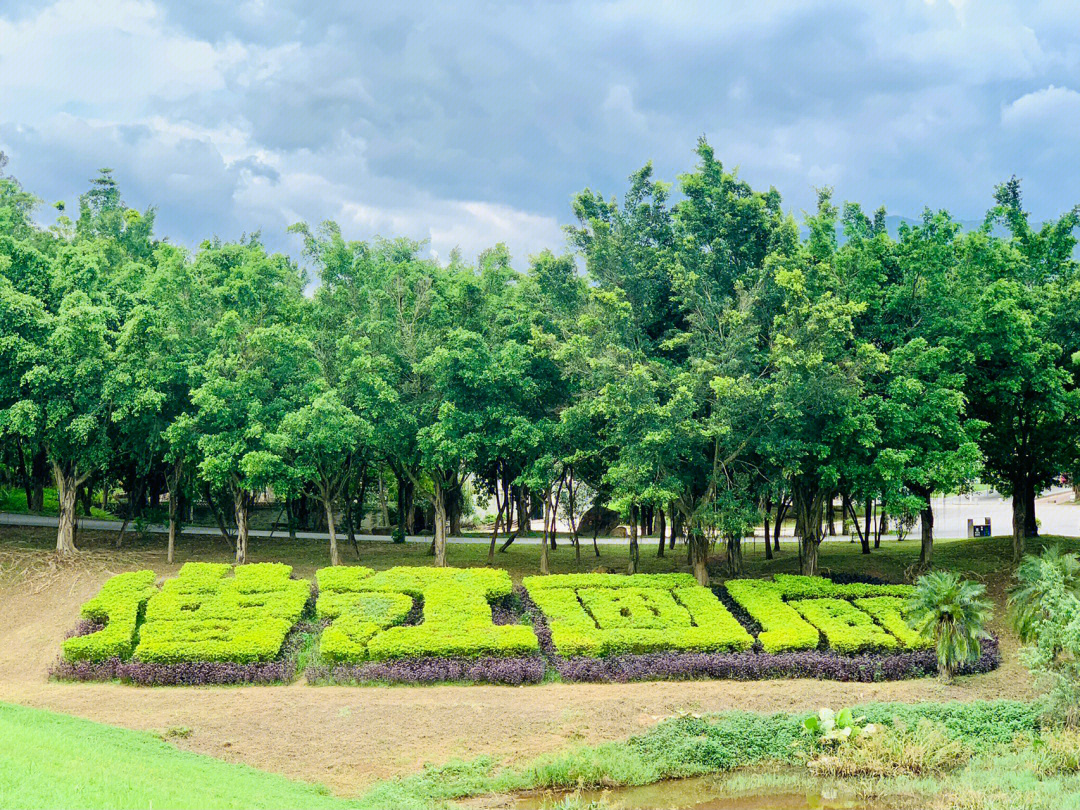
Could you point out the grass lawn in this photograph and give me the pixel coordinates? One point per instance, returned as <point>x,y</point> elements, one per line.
<point>14,500</point>
<point>53,760</point>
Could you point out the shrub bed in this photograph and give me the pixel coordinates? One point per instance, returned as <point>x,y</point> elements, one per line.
<point>804,626</point>
<point>202,627</point>
<point>214,624</point>
<point>468,630</point>
<point>601,615</point>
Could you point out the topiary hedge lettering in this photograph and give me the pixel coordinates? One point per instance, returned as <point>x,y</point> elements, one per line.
<point>215,623</point>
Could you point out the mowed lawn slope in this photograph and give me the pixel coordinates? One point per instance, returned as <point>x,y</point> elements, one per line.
<point>54,760</point>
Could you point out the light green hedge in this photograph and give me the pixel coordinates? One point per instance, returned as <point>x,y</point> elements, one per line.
<point>117,606</point>
<point>795,612</point>
<point>367,609</point>
<point>204,615</point>
<point>611,614</point>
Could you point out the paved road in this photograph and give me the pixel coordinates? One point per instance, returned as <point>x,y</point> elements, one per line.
<point>15,519</point>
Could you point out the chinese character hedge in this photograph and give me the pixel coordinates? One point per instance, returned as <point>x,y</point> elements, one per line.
<point>610,614</point>
<point>367,609</point>
<point>214,623</point>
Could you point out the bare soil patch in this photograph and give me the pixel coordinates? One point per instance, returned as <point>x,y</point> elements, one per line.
<point>347,737</point>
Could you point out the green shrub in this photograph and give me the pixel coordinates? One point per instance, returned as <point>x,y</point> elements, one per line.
<point>891,613</point>
<point>782,628</point>
<point>612,614</point>
<point>367,609</point>
<point>117,606</point>
<point>925,749</point>
<point>798,586</point>
<point>846,628</point>
<point>953,613</point>
<point>203,615</point>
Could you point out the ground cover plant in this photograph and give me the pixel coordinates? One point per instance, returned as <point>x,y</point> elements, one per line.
<point>202,626</point>
<point>611,627</point>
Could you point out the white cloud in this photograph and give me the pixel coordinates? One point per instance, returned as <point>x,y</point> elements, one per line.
<point>1050,107</point>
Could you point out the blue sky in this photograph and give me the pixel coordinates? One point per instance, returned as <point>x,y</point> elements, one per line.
<point>472,123</point>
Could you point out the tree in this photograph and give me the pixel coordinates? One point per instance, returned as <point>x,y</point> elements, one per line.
<point>65,401</point>
<point>925,439</point>
<point>819,380</point>
<point>319,443</point>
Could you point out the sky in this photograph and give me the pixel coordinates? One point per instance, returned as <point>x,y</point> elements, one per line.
<point>471,123</point>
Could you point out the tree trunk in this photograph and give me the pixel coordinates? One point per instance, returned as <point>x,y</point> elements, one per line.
<point>808,514</point>
<point>1031,524</point>
<point>633,540</point>
<point>676,525</point>
<point>24,474</point>
<point>781,513</point>
<point>864,532</point>
<point>410,508</point>
<point>439,496</point>
<point>927,550</point>
<point>39,469</point>
<point>173,507</point>
<point>66,486</point>
<point>698,547</point>
<point>573,521</point>
<point>544,540</point>
<point>329,504</point>
<point>1019,528</point>
<point>241,506</point>
<point>454,512</point>
<point>663,530</point>
<point>495,531</point>
<point>735,558</point>
<point>832,517</point>
<point>768,539</point>
<point>384,507</point>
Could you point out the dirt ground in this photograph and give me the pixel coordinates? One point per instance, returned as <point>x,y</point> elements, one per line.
<point>347,737</point>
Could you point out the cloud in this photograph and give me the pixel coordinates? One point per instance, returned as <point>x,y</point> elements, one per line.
<point>1050,107</point>
<point>474,122</point>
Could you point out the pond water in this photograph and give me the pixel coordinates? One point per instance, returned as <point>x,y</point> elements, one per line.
<point>714,793</point>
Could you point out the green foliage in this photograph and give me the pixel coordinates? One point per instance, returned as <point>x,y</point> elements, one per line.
<point>926,749</point>
<point>1034,582</point>
<point>829,727</point>
<point>118,606</point>
<point>599,614</point>
<point>889,612</point>
<point>792,609</point>
<point>782,628</point>
<point>202,615</point>
<point>952,612</point>
<point>367,609</point>
<point>846,628</point>
<point>1050,623</point>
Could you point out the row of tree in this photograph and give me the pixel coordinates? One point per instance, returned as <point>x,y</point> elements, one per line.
<point>715,364</point>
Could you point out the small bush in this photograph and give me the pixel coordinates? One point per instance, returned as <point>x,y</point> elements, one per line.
<point>117,606</point>
<point>925,749</point>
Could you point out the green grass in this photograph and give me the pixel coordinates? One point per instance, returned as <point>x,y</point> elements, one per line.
<point>14,500</point>
<point>52,760</point>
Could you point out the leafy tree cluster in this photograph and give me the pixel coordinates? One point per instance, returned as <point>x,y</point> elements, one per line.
<point>699,359</point>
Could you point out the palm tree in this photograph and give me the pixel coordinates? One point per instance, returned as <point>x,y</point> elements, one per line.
<point>1028,596</point>
<point>953,613</point>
